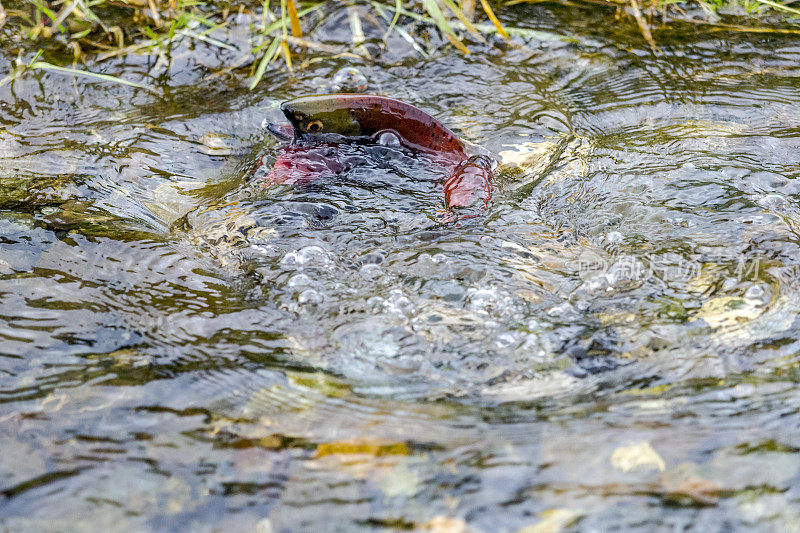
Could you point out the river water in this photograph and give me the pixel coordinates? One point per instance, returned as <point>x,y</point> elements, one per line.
<point>614,345</point>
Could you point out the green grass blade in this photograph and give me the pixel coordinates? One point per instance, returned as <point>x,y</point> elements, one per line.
<point>403,33</point>
<point>460,16</point>
<point>268,56</point>
<point>205,39</point>
<point>398,5</point>
<point>43,65</point>
<point>780,6</point>
<point>11,77</point>
<point>44,9</point>
<point>436,14</point>
<point>433,9</point>
<point>65,13</point>
<point>80,34</point>
<point>37,56</point>
<point>89,14</point>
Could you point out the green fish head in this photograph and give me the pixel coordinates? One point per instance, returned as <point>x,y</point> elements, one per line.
<point>320,116</point>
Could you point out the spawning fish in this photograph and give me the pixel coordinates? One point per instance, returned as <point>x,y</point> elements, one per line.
<point>318,123</point>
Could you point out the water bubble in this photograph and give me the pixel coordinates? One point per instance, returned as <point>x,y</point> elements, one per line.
<point>774,202</point>
<point>388,138</point>
<point>214,144</point>
<point>310,297</point>
<point>349,80</point>
<point>374,258</point>
<point>398,304</point>
<point>371,272</point>
<point>530,345</point>
<point>376,304</point>
<point>380,347</point>
<point>299,280</point>
<point>582,305</point>
<point>307,256</point>
<point>489,302</point>
<point>614,237</point>
<point>757,292</point>
<point>424,258</point>
<point>504,340</point>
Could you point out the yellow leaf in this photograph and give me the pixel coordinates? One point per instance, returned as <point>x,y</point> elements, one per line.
<point>286,54</point>
<point>463,18</point>
<point>489,13</point>
<point>458,44</point>
<point>640,455</point>
<point>365,446</point>
<point>294,20</point>
<point>444,524</point>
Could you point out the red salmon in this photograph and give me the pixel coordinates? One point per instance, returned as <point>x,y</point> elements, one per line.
<point>319,122</point>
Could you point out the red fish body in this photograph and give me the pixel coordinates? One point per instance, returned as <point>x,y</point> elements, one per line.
<point>301,165</point>
<point>469,183</point>
<point>319,123</point>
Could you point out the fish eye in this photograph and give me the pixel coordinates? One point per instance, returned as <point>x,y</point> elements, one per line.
<point>315,126</point>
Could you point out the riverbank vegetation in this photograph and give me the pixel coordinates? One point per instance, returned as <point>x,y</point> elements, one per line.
<point>70,35</point>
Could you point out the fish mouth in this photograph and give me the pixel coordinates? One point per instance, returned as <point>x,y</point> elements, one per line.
<point>283,132</point>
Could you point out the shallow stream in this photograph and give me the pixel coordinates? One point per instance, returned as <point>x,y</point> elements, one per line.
<point>614,345</point>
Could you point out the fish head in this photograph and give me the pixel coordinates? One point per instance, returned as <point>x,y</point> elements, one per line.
<point>320,118</point>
